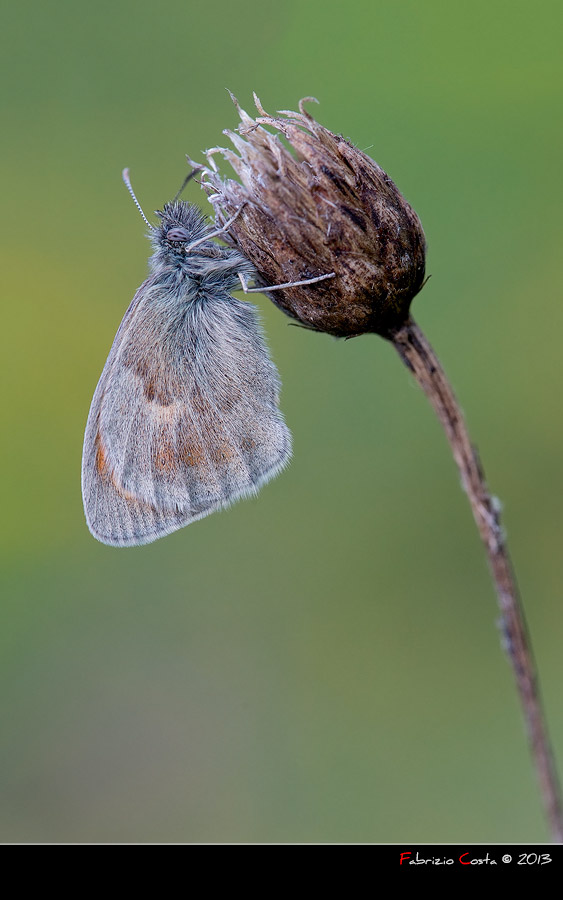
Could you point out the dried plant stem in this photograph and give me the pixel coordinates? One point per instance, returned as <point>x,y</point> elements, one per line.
<point>419,357</point>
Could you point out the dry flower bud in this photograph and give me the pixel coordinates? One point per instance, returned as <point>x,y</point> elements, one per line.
<point>328,208</point>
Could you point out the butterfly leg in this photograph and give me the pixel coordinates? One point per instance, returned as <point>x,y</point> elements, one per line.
<point>279,287</point>
<point>216,233</point>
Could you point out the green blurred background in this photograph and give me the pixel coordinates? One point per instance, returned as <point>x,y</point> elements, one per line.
<point>320,663</point>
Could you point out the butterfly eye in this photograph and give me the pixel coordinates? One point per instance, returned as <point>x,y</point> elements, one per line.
<point>177,235</point>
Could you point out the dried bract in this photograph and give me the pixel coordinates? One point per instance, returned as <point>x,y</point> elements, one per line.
<point>325,208</point>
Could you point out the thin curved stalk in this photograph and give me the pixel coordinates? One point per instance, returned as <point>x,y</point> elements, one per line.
<point>419,357</point>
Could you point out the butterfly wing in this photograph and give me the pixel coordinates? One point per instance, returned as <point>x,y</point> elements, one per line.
<point>184,419</point>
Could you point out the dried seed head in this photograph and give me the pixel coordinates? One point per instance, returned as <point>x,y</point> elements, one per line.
<point>328,208</point>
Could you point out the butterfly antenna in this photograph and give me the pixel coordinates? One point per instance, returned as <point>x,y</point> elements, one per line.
<point>188,177</point>
<point>125,176</point>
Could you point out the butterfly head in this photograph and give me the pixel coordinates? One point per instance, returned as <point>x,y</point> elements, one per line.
<point>183,247</point>
<point>180,225</point>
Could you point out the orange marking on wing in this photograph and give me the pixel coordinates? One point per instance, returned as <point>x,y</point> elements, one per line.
<point>165,459</point>
<point>221,451</point>
<point>190,452</point>
<point>101,457</point>
<point>104,471</point>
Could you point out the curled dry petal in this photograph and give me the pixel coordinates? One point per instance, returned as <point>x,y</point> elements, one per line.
<point>325,207</point>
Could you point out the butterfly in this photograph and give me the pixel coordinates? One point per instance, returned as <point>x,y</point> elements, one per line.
<point>185,417</point>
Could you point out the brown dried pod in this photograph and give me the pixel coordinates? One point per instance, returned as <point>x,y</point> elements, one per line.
<point>328,208</point>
